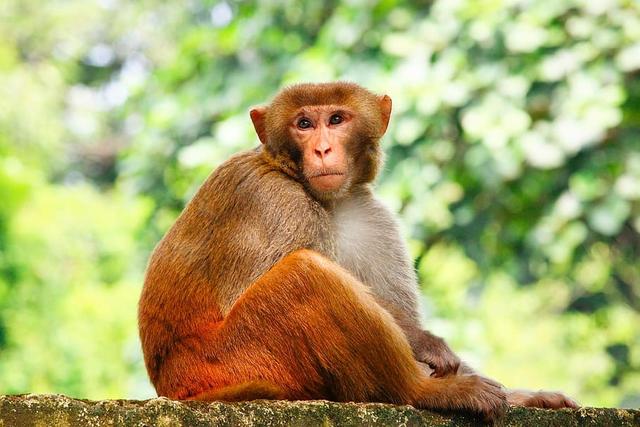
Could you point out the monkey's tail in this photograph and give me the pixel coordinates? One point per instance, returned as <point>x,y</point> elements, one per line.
<point>250,390</point>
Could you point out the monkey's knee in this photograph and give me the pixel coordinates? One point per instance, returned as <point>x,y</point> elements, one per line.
<point>310,304</point>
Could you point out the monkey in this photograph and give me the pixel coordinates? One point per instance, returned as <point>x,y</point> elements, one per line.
<point>285,278</point>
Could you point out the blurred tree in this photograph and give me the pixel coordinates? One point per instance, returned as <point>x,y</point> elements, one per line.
<point>513,159</point>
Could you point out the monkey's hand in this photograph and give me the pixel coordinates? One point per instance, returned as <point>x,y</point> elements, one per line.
<point>435,352</point>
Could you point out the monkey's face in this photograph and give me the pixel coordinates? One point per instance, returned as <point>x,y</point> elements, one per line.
<point>321,134</point>
<point>325,134</point>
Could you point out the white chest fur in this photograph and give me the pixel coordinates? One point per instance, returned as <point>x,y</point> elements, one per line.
<point>370,247</point>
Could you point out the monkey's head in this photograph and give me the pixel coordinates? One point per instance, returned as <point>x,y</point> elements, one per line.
<point>325,135</point>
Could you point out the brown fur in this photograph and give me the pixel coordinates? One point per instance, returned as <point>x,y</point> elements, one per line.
<point>226,237</point>
<point>251,390</point>
<point>243,298</point>
<point>327,339</point>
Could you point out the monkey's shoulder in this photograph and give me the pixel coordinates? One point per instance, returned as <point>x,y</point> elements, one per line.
<point>248,180</point>
<point>245,199</point>
<point>243,218</point>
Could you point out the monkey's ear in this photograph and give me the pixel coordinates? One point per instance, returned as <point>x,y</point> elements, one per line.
<point>385,110</point>
<point>257,117</point>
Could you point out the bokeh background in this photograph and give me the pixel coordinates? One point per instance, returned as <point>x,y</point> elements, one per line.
<point>513,159</point>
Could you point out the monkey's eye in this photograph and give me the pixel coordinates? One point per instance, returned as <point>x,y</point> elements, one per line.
<point>304,123</point>
<point>336,119</point>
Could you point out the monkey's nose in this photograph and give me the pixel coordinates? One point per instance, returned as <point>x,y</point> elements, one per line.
<point>322,152</point>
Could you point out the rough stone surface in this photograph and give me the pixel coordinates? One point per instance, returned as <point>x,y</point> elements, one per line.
<point>56,410</point>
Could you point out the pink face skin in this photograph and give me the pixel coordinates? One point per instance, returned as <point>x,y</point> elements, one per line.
<point>320,132</point>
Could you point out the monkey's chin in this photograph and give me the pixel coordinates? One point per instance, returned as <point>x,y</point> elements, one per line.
<point>327,183</point>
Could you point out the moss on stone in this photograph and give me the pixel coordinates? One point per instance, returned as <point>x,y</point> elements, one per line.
<point>56,410</point>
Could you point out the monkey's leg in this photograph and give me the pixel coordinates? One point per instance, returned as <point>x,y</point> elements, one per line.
<point>311,329</point>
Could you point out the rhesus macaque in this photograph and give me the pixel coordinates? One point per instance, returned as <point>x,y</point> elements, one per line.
<point>285,278</point>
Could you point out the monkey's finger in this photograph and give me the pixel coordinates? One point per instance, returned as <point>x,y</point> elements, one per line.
<point>442,368</point>
<point>559,400</point>
<point>437,370</point>
<point>570,403</point>
<point>424,366</point>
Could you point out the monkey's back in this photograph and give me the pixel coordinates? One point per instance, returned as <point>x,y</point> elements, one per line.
<point>245,217</point>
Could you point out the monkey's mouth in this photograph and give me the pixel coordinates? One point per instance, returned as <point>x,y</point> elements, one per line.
<point>327,180</point>
<point>327,174</point>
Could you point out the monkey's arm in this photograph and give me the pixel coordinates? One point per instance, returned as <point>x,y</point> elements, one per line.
<point>427,347</point>
<point>365,226</point>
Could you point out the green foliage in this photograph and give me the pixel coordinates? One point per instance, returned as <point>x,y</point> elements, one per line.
<point>513,158</point>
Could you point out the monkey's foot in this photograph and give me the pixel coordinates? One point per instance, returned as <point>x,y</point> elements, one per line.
<point>540,399</point>
<point>464,392</point>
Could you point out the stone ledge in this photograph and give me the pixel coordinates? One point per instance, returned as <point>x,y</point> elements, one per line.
<point>57,410</point>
